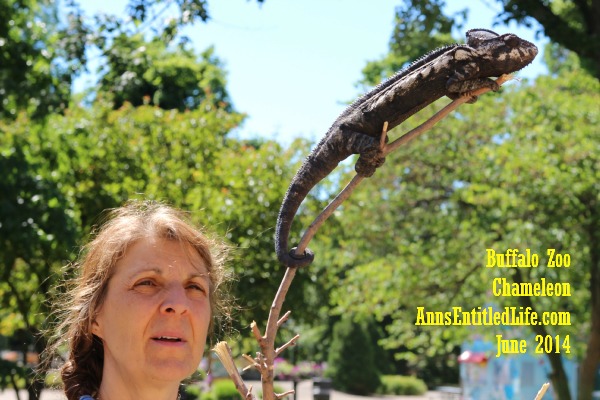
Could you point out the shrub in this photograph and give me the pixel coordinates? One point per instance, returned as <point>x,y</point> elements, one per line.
<point>401,385</point>
<point>351,363</point>
<point>224,389</point>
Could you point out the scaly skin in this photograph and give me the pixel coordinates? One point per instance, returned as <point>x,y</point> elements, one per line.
<point>450,71</point>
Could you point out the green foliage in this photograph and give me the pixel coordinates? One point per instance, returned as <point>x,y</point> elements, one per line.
<point>558,59</point>
<point>60,175</point>
<point>233,188</point>
<point>399,385</point>
<point>570,25</point>
<point>147,72</point>
<point>43,52</point>
<point>351,364</point>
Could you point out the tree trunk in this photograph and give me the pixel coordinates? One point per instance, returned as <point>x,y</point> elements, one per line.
<point>558,375</point>
<point>35,388</point>
<point>15,386</point>
<point>591,361</point>
<point>38,374</point>
<point>560,384</point>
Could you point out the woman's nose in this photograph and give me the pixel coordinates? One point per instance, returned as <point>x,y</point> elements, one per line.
<point>175,301</point>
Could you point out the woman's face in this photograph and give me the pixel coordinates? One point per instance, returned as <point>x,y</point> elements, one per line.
<point>155,317</point>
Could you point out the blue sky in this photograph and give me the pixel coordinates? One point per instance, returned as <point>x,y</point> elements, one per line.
<point>291,65</point>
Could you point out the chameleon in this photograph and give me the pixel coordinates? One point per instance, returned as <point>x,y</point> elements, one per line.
<point>454,70</point>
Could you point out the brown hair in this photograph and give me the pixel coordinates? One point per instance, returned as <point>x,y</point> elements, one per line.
<point>82,372</point>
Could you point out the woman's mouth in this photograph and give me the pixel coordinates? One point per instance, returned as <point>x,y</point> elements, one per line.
<point>168,339</point>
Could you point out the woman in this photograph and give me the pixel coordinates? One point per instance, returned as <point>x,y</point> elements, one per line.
<point>145,300</point>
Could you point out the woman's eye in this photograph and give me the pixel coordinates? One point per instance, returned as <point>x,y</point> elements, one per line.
<point>145,282</point>
<point>196,286</point>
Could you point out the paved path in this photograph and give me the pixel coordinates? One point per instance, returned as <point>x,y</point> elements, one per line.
<point>304,393</point>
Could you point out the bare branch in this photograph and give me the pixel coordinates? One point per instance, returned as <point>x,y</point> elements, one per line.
<point>291,342</point>
<point>542,391</point>
<point>267,344</point>
<point>283,319</point>
<point>383,138</point>
<point>282,395</point>
<point>256,331</point>
<point>326,213</point>
<point>254,363</point>
<point>249,395</point>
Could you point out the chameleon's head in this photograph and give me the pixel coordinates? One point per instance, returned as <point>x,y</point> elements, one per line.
<point>504,53</point>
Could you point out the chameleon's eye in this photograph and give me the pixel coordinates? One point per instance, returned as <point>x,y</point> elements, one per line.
<point>512,40</point>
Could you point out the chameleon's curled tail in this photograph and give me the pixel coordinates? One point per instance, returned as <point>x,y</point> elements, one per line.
<point>306,178</point>
<point>321,161</point>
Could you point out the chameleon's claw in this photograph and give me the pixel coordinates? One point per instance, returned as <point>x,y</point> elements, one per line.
<point>472,99</point>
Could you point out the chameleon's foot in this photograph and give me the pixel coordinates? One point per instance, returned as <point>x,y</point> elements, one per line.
<point>369,161</point>
<point>465,88</point>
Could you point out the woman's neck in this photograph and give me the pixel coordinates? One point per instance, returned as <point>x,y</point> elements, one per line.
<point>113,387</point>
<point>151,394</point>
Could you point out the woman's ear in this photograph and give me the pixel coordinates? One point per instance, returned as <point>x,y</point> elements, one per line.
<point>96,328</point>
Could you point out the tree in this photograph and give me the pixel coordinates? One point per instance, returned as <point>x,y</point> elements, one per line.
<point>523,177</point>
<point>37,232</point>
<point>147,72</point>
<point>351,364</point>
